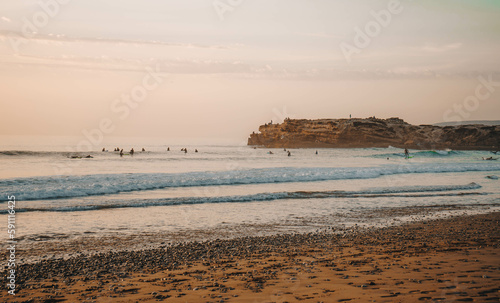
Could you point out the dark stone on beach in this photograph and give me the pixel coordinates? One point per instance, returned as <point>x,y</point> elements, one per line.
<point>116,264</point>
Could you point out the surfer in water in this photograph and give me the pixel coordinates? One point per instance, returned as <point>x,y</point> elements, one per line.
<point>489,158</point>
<point>407,154</point>
<point>289,153</point>
<point>121,152</point>
<point>132,151</point>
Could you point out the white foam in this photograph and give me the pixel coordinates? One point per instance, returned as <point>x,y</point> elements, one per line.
<point>55,187</point>
<point>95,204</point>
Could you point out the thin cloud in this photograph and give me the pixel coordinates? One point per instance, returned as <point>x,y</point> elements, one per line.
<point>319,35</point>
<point>62,38</point>
<point>133,65</point>
<point>441,48</point>
<point>236,68</point>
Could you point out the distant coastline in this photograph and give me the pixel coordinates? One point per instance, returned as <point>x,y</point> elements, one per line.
<point>374,132</point>
<point>474,122</point>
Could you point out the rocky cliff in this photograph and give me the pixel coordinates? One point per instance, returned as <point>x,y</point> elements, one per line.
<point>373,132</point>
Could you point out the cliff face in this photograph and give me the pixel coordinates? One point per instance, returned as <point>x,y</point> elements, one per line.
<point>372,132</point>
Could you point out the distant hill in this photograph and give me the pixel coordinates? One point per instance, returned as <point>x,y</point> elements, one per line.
<point>373,132</point>
<point>484,122</point>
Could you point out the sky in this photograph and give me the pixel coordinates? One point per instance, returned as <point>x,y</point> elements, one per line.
<point>220,68</point>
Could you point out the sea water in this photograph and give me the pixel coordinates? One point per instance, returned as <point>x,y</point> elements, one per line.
<point>226,186</point>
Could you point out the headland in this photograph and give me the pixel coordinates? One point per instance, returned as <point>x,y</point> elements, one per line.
<point>374,132</point>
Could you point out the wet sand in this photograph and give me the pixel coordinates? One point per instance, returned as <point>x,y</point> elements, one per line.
<point>454,259</point>
<point>55,245</point>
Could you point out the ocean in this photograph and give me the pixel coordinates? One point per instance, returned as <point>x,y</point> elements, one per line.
<point>226,190</point>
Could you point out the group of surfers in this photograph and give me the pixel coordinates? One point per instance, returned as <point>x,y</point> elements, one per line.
<point>284,149</point>
<point>184,150</point>
<point>143,150</point>
<point>117,149</point>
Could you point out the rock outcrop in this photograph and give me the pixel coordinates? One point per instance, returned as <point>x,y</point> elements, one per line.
<point>373,132</point>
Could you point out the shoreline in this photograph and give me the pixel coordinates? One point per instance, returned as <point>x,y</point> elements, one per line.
<point>65,246</point>
<point>455,258</point>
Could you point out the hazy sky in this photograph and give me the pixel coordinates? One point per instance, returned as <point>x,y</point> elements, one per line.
<point>204,68</point>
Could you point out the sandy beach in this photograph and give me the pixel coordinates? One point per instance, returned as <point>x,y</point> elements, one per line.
<point>250,151</point>
<point>453,259</point>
